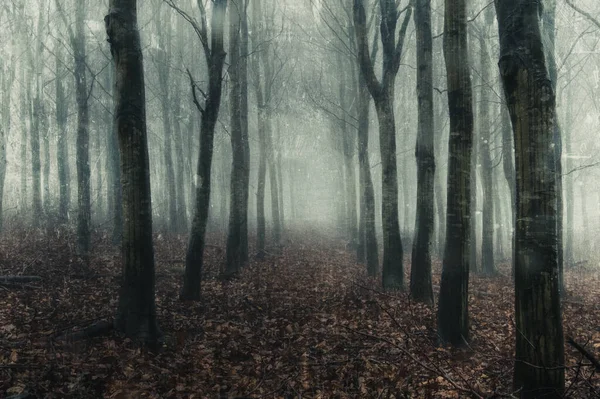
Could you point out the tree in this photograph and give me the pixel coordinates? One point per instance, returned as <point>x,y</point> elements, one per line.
<point>214,53</point>
<point>136,311</point>
<point>485,138</point>
<point>82,92</point>
<point>162,59</point>
<point>549,33</point>
<point>62,149</point>
<point>237,237</point>
<point>453,311</point>
<point>531,102</point>
<point>383,97</point>
<point>420,276</point>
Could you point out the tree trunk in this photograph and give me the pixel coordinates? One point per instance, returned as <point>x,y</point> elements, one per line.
<point>115,199</point>
<point>215,58</point>
<point>136,311</point>
<point>181,217</point>
<point>421,289</point>
<point>37,126</point>
<point>7,77</point>
<point>393,273</point>
<point>83,138</point>
<point>569,258</point>
<point>485,136</point>
<point>367,193</point>
<point>549,32</point>
<point>237,237</point>
<point>539,361</point>
<point>453,311</point>
<point>25,116</point>
<point>273,183</point>
<point>62,149</point>
<point>383,95</point>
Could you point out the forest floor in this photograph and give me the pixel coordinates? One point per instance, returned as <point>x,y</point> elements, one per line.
<point>307,323</point>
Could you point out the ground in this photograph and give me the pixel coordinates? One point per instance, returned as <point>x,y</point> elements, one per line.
<point>307,323</point>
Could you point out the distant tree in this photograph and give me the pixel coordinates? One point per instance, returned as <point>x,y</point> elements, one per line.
<point>214,53</point>
<point>237,236</point>
<point>453,312</point>
<point>136,311</point>
<point>7,77</point>
<point>62,148</point>
<point>485,147</point>
<point>82,92</point>
<point>420,276</point>
<point>539,364</point>
<point>162,60</point>
<point>383,96</point>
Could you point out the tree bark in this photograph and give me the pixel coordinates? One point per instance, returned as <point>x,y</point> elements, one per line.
<point>62,149</point>
<point>136,311</point>
<point>453,311</point>
<point>383,96</point>
<point>115,207</point>
<point>531,101</point>
<point>237,237</point>
<point>367,192</point>
<point>215,58</point>
<point>421,289</point>
<point>163,60</point>
<point>83,138</point>
<point>488,266</point>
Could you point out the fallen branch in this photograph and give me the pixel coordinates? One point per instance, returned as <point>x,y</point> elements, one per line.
<point>587,354</point>
<point>19,279</point>
<point>97,329</point>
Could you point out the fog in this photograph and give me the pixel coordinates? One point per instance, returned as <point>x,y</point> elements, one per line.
<point>289,157</point>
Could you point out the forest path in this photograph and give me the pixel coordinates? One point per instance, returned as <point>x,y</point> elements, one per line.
<point>307,322</point>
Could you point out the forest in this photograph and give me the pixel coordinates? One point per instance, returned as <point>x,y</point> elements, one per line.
<point>243,199</point>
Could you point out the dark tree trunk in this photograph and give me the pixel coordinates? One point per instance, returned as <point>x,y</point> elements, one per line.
<point>531,101</point>
<point>348,145</point>
<point>115,206</point>
<point>453,310</point>
<point>83,138</point>
<point>237,237</point>
<point>420,277</point>
<point>136,311</point>
<point>367,197</point>
<point>485,136</point>
<point>62,149</point>
<point>215,58</point>
<point>383,95</point>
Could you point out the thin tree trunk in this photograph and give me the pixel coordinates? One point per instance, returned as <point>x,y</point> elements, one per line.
<point>383,95</point>
<point>83,138</point>
<point>453,311</point>
<point>215,57</point>
<point>237,237</point>
<point>485,136</point>
<point>539,361</point>
<point>420,277</point>
<point>136,309</point>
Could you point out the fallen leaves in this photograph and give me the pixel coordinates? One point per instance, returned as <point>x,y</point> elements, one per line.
<point>306,323</point>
